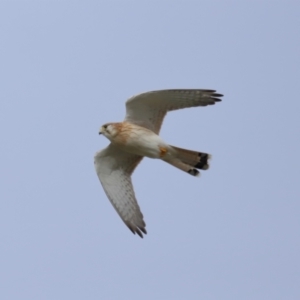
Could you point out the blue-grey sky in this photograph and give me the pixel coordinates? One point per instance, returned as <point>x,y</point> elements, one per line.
<point>67,67</point>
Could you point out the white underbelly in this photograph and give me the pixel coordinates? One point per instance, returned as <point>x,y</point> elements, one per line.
<point>146,143</point>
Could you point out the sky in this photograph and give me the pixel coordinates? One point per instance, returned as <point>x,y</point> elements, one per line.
<point>67,67</point>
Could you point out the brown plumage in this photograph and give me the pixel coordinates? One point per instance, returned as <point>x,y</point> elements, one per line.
<point>189,160</point>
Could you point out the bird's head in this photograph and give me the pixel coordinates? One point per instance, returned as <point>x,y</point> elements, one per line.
<point>109,130</point>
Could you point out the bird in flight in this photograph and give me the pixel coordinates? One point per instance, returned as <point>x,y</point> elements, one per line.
<point>136,137</point>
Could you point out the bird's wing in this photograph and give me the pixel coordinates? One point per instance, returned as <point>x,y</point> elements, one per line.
<point>114,168</point>
<point>149,109</point>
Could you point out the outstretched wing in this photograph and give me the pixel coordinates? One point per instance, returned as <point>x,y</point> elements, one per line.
<point>149,109</point>
<point>114,168</point>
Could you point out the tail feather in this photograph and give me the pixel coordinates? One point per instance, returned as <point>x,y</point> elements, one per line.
<point>198,160</point>
<point>183,166</point>
<point>189,161</point>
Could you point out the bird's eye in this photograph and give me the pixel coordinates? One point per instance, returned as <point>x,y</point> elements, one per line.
<point>105,126</point>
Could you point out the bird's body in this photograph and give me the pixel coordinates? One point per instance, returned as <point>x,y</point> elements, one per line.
<point>137,137</point>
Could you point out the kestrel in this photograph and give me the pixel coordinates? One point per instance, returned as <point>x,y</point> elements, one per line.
<point>136,137</point>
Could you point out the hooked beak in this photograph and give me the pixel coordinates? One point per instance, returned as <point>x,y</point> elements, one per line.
<point>100,132</point>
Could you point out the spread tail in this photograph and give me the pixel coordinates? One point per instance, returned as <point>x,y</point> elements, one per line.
<point>189,161</point>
